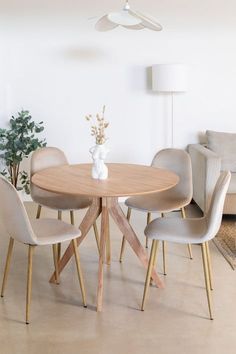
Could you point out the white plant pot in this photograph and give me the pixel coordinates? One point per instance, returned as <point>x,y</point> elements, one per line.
<point>99,154</point>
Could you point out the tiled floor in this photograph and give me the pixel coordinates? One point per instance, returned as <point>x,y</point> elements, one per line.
<point>175,319</point>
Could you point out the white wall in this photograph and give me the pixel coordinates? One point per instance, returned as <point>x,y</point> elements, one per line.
<point>55,64</point>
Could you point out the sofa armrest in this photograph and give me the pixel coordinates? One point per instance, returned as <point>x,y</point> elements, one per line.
<point>206,166</point>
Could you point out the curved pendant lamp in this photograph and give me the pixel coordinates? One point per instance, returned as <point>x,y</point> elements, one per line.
<point>127,18</point>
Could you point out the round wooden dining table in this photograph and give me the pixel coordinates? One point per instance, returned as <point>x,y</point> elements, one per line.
<point>123,180</point>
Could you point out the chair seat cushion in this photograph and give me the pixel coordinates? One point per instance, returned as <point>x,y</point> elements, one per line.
<point>59,201</point>
<point>52,231</point>
<point>177,230</point>
<point>165,201</point>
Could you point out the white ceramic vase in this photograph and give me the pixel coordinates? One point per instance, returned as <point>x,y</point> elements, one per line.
<point>99,154</point>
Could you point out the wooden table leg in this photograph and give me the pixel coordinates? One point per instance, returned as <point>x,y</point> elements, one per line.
<point>126,229</point>
<point>103,238</point>
<point>108,244</point>
<point>90,217</point>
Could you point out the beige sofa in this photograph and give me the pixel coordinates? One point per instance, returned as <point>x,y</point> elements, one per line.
<point>207,161</point>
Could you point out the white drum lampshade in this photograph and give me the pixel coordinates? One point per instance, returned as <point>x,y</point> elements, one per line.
<point>169,78</point>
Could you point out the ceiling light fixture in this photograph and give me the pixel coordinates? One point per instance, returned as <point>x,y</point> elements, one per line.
<point>127,18</point>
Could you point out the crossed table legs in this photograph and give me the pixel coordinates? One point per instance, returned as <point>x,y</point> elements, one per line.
<point>106,206</point>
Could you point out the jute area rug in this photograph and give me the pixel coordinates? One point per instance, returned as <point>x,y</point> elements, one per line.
<point>225,240</point>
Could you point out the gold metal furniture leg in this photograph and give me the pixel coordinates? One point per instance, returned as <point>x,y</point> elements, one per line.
<point>55,255</point>
<point>59,217</point>
<point>72,217</point>
<point>164,256</point>
<point>164,251</point>
<point>29,282</point>
<point>7,266</point>
<point>149,272</point>
<point>189,245</point>
<point>206,274</point>
<point>149,217</point>
<point>123,239</point>
<point>209,264</point>
<point>80,275</point>
<point>38,211</point>
<point>155,259</point>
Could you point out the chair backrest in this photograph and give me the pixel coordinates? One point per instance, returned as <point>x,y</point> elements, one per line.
<point>15,218</point>
<point>179,162</point>
<point>44,158</point>
<point>47,157</point>
<point>215,211</point>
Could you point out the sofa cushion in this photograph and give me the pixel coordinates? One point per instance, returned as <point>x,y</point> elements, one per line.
<point>232,185</point>
<point>224,145</point>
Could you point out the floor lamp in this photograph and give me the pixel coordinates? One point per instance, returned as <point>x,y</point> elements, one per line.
<point>169,78</point>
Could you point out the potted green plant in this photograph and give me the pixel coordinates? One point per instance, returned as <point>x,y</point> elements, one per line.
<point>16,144</point>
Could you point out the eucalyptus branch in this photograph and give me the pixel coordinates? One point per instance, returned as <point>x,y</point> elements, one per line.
<point>17,142</point>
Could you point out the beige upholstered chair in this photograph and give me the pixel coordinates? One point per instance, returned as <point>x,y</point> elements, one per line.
<point>173,199</point>
<point>194,231</point>
<point>39,232</point>
<point>49,157</point>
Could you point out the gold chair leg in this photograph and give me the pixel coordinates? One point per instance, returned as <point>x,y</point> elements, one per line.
<point>209,264</point>
<point>80,275</point>
<point>38,211</point>
<point>123,239</point>
<point>190,251</point>
<point>7,266</point>
<point>164,251</point>
<point>149,217</point>
<point>29,281</point>
<point>155,259</point>
<point>189,245</point>
<point>149,272</point>
<point>95,229</point>
<point>59,217</point>
<point>164,256</point>
<point>72,217</point>
<point>55,255</point>
<point>206,274</point>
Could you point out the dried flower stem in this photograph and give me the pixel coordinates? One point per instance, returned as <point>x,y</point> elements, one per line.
<point>98,126</point>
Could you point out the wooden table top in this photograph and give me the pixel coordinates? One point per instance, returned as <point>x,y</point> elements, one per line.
<point>123,180</point>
